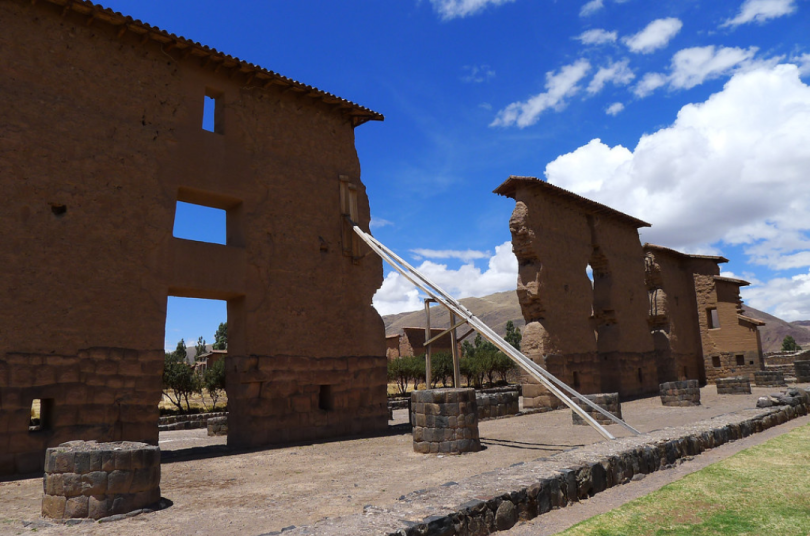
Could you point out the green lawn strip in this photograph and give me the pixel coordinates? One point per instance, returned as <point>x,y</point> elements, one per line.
<point>762,490</point>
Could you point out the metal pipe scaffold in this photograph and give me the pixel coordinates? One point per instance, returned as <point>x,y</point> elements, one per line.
<point>551,382</point>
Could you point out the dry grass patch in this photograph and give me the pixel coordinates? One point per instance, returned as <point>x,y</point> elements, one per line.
<point>764,490</point>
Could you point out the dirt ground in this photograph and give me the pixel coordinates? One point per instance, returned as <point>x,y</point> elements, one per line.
<point>263,491</point>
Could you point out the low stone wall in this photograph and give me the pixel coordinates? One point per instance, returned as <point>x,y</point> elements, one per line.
<point>592,475</point>
<point>769,379</point>
<point>85,479</point>
<point>444,421</point>
<point>218,426</point>
<point>497,404</point>
<point>802,371</point>
<point>740,385</point>
<point>186,422</point>
<point>607,401</point>
<point>682,393</point>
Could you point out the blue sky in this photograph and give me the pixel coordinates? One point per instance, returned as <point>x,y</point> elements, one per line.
<point>691,115</point>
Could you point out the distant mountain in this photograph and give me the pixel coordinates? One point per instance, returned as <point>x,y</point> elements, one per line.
<point>777,329</point>
<point>496,309</point>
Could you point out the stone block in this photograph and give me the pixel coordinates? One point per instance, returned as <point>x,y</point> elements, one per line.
<point>97,507</point>
<point>53,506</point>
<point>119,482</point>
<point>76,507</point>
<point>94,483</point>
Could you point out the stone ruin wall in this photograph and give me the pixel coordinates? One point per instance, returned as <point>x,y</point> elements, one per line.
<point>735,340</point>
<point>101,137</point>
<point>593,337</point>
<point>673,315</point>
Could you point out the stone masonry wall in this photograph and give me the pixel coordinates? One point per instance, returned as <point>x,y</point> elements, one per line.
<point>802,371</point>
<point>769,379</point>
<point>683,393</point>
<point>493,405</point>
<point>740,385</point>
<point>606,401</point>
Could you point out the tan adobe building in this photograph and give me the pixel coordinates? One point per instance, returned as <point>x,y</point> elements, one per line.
<point>101,121</point>
<point>650,315</point>
<point>412,342</point>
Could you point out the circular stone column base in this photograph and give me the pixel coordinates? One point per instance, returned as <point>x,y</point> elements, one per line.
<point>445,421</point>
<point>85,479</point>
<point>683,393</point>
<point>606,401</point>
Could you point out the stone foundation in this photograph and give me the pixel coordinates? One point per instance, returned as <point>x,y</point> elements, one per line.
<point>802,371</point>
<point>740,385</point>
<point>445,421</point>
<point>683,393</point>
<point>186,422</point>
<point>607,401</point>
<point>85,479</point>
<point>498,404</point>
<point>769,379</point>
<point>218,426</point>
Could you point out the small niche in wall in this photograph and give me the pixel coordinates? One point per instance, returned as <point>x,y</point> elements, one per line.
<point>326,401</point>
<point>576,380</point>
<point>740,360</point>
<point>716,361</point>
<point>712,318</point>
<point>41,412</point>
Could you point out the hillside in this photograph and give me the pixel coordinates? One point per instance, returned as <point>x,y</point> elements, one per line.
<point>496,309</point>
<point>777,329</point>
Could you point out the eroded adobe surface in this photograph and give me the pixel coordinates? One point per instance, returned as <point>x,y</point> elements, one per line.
<point>650,315</point>
<point>101,127</point>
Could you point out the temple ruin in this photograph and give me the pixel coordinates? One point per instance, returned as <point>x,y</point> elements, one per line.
<point>649,314</point>
<point>102,136</point>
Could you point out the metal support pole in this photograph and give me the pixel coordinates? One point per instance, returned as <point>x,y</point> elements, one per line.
<point>553,384</point>
<point>428,332</point>
<point>456,363</point>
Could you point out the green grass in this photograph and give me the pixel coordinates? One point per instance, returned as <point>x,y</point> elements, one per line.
<point>764,490</point>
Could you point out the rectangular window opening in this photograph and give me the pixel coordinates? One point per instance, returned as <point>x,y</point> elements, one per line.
<point>713,318</point>
<point>41,414</point>
<point>576,380</point>
<point>200,223</point>
<point>212,112</point>
<point>685,373</point>
<point>740,360</point>
<point>716,361</point>
<point>325,400</point>
<point>640,376</point>
<point>348,207</point>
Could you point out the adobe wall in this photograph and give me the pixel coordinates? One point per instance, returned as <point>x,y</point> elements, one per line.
<point>412,342</point>
<point>673,315</point>
<point>108,126</point>
<point>595,337</point>
<point>735,340</point>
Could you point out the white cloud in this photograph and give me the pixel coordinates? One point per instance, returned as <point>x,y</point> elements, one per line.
<point>649,83</point>
<point>591,7</point>
<point>478,73</point>
<point>786,297</point>
<point>803,62</point>
<point>451,9</point>
<point>597,37</point>
<point>615,108</point>
<point>761,11</point>
<point>376,223</point>
<point>656,35</point>
<point>558,87</point>
<point>463,255</point>
<point>397,295</point>
<point>691,67</point>
<point>618,74</point>
<point>731,169</point>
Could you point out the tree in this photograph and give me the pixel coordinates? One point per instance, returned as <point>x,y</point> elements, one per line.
<point>221,337</point>
<point>179,378</point>
<point>214,380</point>
<point>513,335</point>
<point>200,348</point>
<point>441,368</point>
<point>180,351</point>
<point>789,344</point>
